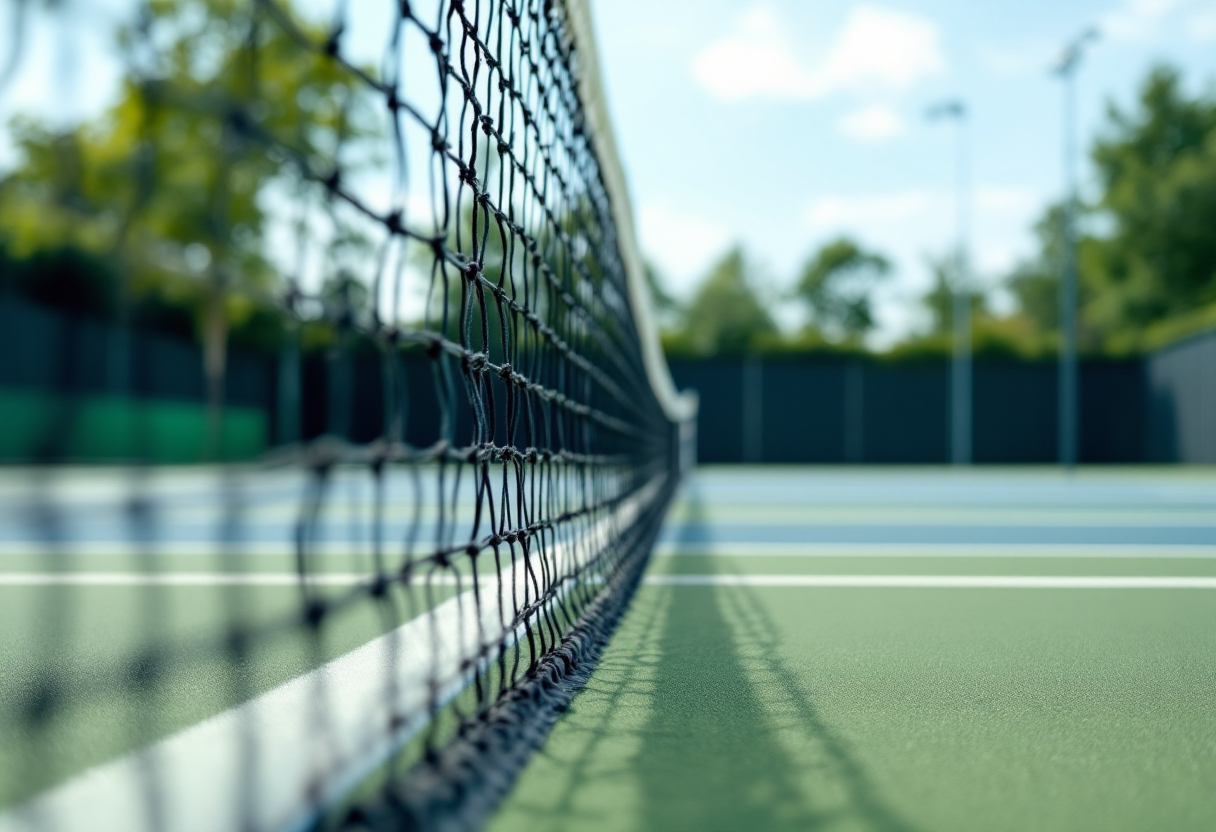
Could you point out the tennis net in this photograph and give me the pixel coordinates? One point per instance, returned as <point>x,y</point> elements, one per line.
<point>432,434</point>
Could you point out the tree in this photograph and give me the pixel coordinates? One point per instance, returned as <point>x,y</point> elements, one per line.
<point>837,284</point>
<point>1146,254</point>
<point>939,300</point>
<point>170,186</point>
<point>1157,166</point>
<point>1036,282</point>
<point>726,317</point>
<point>659,296</point>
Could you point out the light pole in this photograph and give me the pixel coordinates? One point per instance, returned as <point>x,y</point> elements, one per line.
<point>960,365</point>
<point>1068,399</point>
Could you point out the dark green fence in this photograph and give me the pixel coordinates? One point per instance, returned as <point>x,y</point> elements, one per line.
<point>78,389</point>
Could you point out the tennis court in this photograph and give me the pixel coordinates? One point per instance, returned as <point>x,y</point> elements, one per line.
<point>905,649</point>
<point>811,648</point>
<point>345,483</point>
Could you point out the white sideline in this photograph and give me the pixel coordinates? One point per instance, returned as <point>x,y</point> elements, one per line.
<point>198,579</point>
<point>935,550</point>
<point>102,579</point>
<point>318,734</point>
<point>936,581</point>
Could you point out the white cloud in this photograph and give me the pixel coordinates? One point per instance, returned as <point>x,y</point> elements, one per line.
<point>892,210</point>
<point>1008,199</point>
<point>1032,57</point>
<point>843,212</point>
<point>873,124</point>
<point>1201,26</point>
<point>1136,19</point>
<point>908,225</point>
<point>681,243</point>
<point>1150,20</point>
<point>875,49</point>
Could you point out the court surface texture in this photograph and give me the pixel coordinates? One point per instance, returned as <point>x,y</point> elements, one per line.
<point>812,648</point>
<point>915,649</point>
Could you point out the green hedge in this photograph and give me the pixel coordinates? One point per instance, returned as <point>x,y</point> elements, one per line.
<point>107,428</point>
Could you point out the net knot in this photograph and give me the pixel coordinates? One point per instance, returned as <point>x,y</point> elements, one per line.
<point>333,43</point>
<point>435,348</point>
<point>476,362</point>
<point>393,223</point>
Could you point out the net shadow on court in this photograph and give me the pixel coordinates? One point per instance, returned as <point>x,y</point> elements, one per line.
<point>654,742</point>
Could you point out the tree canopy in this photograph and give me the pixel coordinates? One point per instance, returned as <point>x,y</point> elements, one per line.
<point>726,317</point>
<point>170,186</point>
<point>1157,167</point>
<point>837,284</point>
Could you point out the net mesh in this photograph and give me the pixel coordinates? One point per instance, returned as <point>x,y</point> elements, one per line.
<point>394,220</point>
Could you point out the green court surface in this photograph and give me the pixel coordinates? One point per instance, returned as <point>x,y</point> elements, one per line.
<point>86,638</point>
<point>861,649</point>
<point>729,705</point>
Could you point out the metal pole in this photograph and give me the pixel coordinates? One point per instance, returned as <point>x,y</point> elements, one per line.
<point>1068,292</point>
<point>1068,394</point>
<point>960,364</point>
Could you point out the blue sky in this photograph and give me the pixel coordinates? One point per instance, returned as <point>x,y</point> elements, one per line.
<point>780,124</point>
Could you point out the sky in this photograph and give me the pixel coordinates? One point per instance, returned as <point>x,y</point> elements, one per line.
<point>781,124</point>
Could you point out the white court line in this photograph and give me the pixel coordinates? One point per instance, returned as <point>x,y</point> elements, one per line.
<point>303,760</point>
<point>936,550</point>
<point>102,579</point>
<point>353,547</point>
<point>935,581</point>
<point>361,549</point>
<point>202,579</point>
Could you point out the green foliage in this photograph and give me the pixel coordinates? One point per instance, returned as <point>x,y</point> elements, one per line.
<point>837,283</point>
<point>169,188</point>
<point>1012,337</point>
<point>726,317</point>
<point>1152,274</point>
<point>1158,170</point>
<point>665,305</point>
<point>939,300</point>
